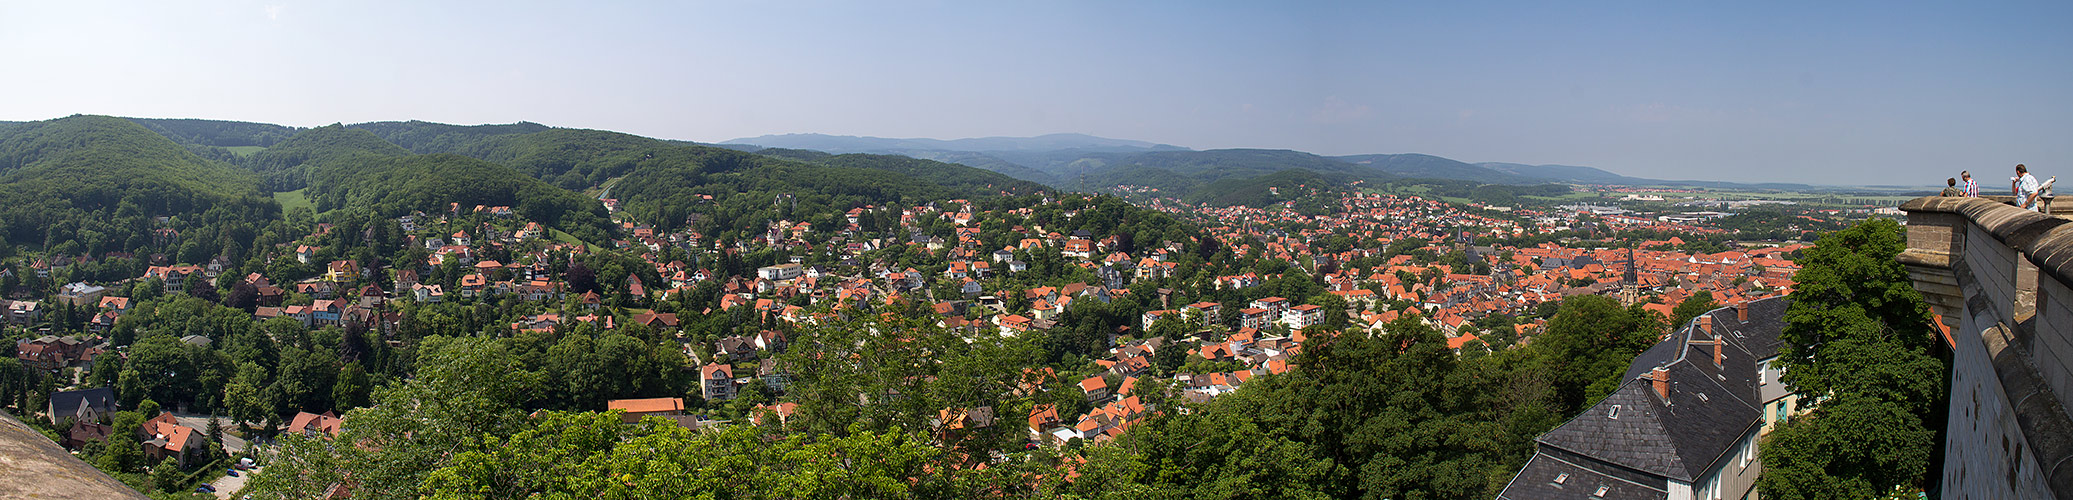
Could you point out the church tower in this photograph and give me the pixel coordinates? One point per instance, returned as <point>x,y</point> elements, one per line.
<point>1630,286</point>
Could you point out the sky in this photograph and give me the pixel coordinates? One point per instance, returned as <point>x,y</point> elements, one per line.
<point>1849,93</point>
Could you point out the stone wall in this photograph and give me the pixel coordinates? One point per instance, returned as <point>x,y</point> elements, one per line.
<point>1999,278</point>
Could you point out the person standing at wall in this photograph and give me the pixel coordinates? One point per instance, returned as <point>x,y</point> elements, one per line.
<point>1971,186</point>
<point>1951,188</point>
<point>2025,187</point>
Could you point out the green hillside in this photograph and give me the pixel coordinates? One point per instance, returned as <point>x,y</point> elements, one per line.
<point>987,162</point>
<point>428,137</point>
<point>750,189</point>
<point>1179,173</point>
<point>1267,189</point>
<point>665,181</point>
<point>569,158</point>
<point>101,180</point>
<point>217,133</point>
<point>957,177</point>
<point>285,164</point>
<point>394,185</point>
<point>1422,166</point>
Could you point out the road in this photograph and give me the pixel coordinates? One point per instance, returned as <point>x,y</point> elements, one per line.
<point>231,444</point>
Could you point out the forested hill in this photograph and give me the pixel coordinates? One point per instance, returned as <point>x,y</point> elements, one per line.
<point>1424,166</point>
<point>748,189</point>
<point>101,180</point>
<point>352,168</point>
<point>428,137</point>
<point>217,133</point>
<point>393,185</point>
<point>285,164</point>
<point>1278,187</point>
<point>666,181</point>
<point>1180,173</point>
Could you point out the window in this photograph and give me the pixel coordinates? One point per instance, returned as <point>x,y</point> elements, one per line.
<point>1562,478</point>
<point>1748,450</point>
<point>1763,372</point>
<point>1615,413</point>
<point>1601,491</point>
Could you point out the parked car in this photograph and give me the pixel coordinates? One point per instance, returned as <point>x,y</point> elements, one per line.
<point>205,488</point>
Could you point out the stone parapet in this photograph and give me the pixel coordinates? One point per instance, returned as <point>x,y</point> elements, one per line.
<point>1999,277</point>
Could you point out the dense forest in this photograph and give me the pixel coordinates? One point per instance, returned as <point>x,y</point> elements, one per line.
<point>1267,189</point>
<point>94,184</point>
<point>217,133</point>
<point>286,165</point>
<point>397,185</point>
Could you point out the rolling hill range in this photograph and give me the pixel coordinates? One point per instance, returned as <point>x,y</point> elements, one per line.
<point>105,178</point>
<point>540,170</point>
<point>853,144</point>
<point>99,182</point>
<point>1078,161</point>
<point>1083,162</point>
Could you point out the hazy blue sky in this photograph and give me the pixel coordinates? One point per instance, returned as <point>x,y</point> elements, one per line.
<point>1829,92</point>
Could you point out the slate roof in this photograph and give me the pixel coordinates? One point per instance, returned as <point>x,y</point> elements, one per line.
<point>1537,481</point>
<point>1709,408</point>
<point>66,402</point>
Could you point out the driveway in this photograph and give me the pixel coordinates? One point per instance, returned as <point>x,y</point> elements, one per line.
<point>228,485</point>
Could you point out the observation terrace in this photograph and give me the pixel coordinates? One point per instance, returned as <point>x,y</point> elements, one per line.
<point>2001,280</point>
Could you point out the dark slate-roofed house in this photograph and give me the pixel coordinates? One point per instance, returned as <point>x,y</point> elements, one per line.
<point>1684,425</point>
<point>83,405</point>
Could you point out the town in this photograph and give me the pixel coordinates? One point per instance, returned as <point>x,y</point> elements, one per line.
<point>1135,312</point>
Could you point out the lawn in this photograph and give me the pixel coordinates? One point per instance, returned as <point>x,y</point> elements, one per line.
<point>291,199</point>
<point>570,238</point>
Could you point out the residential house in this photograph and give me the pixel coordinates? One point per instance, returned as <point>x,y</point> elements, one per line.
<point>1683,425</point>
<point>719,381</point>
<point>1300,317</point>
<point>311,424</point>
<point>779,272</point>
<point>1255,318</point>
<point>80,405</point>
<point>164,437</point>
<point>80,294</point>
<point>633,409</point>
<point>1095,388</point>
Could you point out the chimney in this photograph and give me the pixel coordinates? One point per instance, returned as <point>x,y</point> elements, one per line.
<point>1706,323</point>
<point>1719,356</point>
<point>1661,378</point>
<point>1742,312</point>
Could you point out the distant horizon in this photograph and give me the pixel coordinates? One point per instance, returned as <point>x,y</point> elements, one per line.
<point>1823,93</point>
<point>1925,187</point>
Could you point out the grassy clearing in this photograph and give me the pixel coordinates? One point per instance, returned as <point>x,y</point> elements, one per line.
<point>291,199</point>
<point>599,190</point>
<point>245,151</point>
<point>562,237</point>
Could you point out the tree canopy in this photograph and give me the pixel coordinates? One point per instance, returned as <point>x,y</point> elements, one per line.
<point>1858,341</point>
